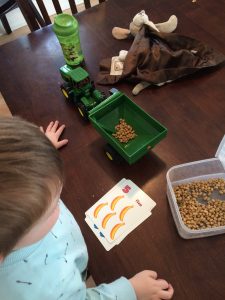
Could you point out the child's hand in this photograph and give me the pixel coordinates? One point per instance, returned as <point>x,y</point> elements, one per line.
<point>53,134</point>
<point>148,287</point>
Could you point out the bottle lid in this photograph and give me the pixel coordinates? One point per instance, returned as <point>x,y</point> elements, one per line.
<point>64,25</point>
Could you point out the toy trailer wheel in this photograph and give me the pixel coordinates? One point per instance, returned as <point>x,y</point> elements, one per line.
<point>82,110</point>
<point>66,92</point>
<point>112,154</point>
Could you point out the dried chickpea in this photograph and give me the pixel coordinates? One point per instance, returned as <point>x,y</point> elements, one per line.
<point>124,132</point>
<point>198,207</point>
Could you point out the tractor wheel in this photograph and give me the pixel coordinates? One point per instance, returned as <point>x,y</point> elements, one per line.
<point>82,110</point>
<point>67,92</point>
<point>112,154</point>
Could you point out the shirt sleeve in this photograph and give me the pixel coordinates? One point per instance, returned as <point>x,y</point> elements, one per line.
<point>119,289</point>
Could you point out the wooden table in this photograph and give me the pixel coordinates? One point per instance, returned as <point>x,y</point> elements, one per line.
<point>193,110</point>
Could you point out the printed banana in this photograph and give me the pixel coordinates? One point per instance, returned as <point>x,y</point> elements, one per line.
<point>124,211</point>
<point>98,208</point>
<point>114,202</point>
<point>115,229</point>
<point>106,219</point>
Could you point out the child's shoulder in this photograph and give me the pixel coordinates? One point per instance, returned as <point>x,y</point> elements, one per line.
<point>66,223</point>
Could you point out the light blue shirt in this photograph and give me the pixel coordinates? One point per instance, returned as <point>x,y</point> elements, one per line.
<point>55,267</point>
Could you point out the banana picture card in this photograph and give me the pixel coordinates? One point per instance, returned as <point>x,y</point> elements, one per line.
<point>108,246</point>
<point>119,212</point>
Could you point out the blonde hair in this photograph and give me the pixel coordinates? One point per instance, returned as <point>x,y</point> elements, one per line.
<point>29,163</point>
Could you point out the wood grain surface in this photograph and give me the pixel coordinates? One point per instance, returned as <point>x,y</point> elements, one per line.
<point>193,110</point>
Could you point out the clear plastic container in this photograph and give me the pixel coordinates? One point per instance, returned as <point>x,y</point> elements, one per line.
<point>189,172</point>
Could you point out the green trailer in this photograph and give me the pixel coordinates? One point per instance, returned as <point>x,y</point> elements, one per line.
<point>106,115</point>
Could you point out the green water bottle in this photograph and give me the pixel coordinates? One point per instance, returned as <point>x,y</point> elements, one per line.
<point>66,29</point>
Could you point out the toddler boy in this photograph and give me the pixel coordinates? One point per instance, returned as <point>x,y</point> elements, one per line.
<point>43,255</point>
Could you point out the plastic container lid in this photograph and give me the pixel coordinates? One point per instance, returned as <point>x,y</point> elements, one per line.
<point>65,25</point>
<point>220,153</point>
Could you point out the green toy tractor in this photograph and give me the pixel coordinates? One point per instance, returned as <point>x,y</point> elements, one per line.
<point>78,88</point>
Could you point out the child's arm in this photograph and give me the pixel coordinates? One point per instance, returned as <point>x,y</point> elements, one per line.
<point>53,133</point>
<point>148,287</point>
<point>143,286</point>
<point>120,289</point>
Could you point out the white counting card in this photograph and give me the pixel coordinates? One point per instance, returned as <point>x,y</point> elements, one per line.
<point>118,212</point>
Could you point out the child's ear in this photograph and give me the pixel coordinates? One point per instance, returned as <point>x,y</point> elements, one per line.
<point>1,258</point>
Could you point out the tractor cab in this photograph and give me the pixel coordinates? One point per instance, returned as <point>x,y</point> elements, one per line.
<point>80,81</point>
<point>76,79</point>
<point>78,88</point>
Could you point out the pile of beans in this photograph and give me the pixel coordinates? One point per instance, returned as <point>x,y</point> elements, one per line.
<point>124,132</point>
<point>211,212</point>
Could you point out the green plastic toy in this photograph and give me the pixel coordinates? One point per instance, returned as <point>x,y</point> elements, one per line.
<point>106,115</point>
<point>66,29</point>
<point>78,88</point>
